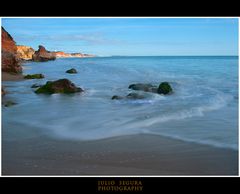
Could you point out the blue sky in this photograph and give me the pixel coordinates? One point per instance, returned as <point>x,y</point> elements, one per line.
<point>128,36</point>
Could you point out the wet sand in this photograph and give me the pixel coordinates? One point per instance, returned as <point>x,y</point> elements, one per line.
<point>11,77</point>
<point>126,155</point>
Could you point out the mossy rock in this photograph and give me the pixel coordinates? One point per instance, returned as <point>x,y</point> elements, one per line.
<point>71,71</point>
<point>164,88</point>
<point>58,86</point>
<point>34,76</point>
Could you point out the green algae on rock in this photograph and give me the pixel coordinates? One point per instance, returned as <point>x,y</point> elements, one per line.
<point>34,76</point>
<point>71,71</point>
<point>164,88</point>
<point>58,86</point>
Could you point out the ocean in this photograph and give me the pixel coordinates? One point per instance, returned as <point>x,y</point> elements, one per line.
<point>202,109</point>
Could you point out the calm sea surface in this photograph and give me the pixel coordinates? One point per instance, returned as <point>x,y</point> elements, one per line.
<point>202,109</point>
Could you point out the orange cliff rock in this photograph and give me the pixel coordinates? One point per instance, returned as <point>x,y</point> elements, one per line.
<point>10,60</point>
<point>61,54</point>
<point>42,55</point>
<point>25,52</point>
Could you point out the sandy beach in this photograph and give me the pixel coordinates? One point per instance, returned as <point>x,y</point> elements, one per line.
<point>126,155</point>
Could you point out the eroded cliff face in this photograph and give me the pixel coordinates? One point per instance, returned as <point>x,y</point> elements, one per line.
<point>61,54</point>
<point>25,52</point>
<point>42,55</point>
<point>10,60</point>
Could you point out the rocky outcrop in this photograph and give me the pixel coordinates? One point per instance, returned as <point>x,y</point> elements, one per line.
<point>25,52</point>
<point>71,71</point>
<point>163,88</point>
<point>42,55</point>
<point>10,61</point>
<point>34,76</point>
<point>58,86</point>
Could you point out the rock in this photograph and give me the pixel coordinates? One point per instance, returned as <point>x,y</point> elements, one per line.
<point>58,86</point>
<point>36,86</point>
<point>134,96</point>
<point>143,87</point>
<point>42,55</point>
<point>71,71</point>
<point>10,61</point>
<point>115,97</point>
<point>164,88</point>
<point>9,103</point>
<point>3,91</point>
<point>25,52</point>
<point>34,76</point>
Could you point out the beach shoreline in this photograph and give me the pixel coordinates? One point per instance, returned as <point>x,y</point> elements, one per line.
<point>140,155</point>
<point>12,77</point>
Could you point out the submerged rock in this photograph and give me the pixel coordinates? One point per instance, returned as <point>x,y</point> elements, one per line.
<point>143,87</point>
<point>71,71</point>
<point>42,55</point>
<point>134,96</point>
<point>36,86</point>
<point>115,97</point>
<point>58,86</point>
<point>34,76</point>
<point>164,88</point>
<point>9,103</point>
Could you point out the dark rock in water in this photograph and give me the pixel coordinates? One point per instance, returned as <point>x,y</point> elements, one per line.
<point>58,86</point>
<point>134,96</point>
<point>143,87</point>
<point>36,86</point>
<point>71,71</point>
<point>115,97</point>
<point>9,103</point>
<point>34,76</point>
<point>42,55</point>
<point>164,88</point>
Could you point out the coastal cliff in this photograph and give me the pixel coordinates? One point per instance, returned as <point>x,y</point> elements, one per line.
<point>42,55</point>
<point>10,60</point>
<point>25,52</point>
<point>61,54</point>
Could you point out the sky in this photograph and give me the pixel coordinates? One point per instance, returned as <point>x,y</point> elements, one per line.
<point>128,36</point>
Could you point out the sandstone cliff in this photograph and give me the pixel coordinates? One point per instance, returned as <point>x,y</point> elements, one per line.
<point>42,55</point>
<point>10,61</point>
<point>61,54</point>
<point>25,52</point>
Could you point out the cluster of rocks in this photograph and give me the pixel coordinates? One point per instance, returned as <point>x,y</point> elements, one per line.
<point>164,88</point>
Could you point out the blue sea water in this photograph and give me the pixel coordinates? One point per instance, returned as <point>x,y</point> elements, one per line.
<point>202,109</point>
